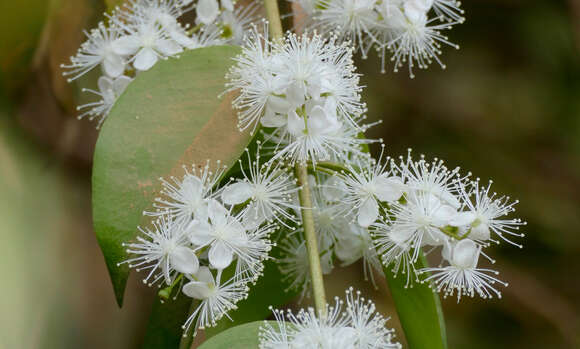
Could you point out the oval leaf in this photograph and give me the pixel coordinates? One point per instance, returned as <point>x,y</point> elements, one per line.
<point>419,310</point>
<point>169,116</point>
<point>245,336</point>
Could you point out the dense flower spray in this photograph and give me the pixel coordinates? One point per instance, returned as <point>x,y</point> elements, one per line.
<point>307,183</point>
<point>410,30</point>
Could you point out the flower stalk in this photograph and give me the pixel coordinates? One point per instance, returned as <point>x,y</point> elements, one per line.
<point>301,171</point>
<point>311,239</point>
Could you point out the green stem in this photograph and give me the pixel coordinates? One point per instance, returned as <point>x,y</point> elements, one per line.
<point>311,239</point>
<point>273,15</point>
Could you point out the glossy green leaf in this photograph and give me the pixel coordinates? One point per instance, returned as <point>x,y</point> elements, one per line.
<point>244,336</point>
<point>164,329</point>
<point>169,116</point>
<point>419,311</point>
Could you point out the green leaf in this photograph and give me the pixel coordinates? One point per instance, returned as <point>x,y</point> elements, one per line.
<point>164,327</point>
<point>169,116</point>
<point>268,291</point>
<point>419,311</point>
<point>244,336</point>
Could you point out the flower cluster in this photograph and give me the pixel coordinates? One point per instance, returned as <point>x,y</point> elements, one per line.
<point>359,326</point>
<point>304,91</point>
<point>411,205</point>
<point>139,34</point>
<point>401,27</point>
<point>199,235</point>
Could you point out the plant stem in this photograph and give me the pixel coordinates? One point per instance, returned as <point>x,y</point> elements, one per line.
<point>311,239</point>
<point>273,15</point>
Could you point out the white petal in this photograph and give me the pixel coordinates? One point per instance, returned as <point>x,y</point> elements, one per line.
<point>145,59</point>
<point>105,84</point>
<point>207,11</point>
<point>197,290</point>
<point>443,215</point>
<point>295,124</point>
<point>278,104</point>
<point>333,189</point>
<point>388,188</point>
<point>184,260</point>
<point>120,84</point>
<point>465,254</point>
<point>126,45</point>
<point>204,275</point>
<point>462,218</point>
<point>368,212</point>
<point>182,39</point>
<point>480,232</point>
<point>200,233</point>
<point>237,193</point>
<point>220,256</point>
<point>271,119</point>
<point>113,65</point>
<point>168,47</point>
<point>217,212</point>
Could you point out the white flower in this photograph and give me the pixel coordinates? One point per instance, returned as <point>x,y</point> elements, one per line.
<point>294,265</point>
<point>224,233</point>
<point>366,186</point>
<point>269,190</point>
<point>163,251</point>
<point>415,41</point>
<point>432,178</point>
<point>305,87</point>
<point>484,215</point>
<point>146,43</point>
<point>207,11</point>
<point>216,298</point>
<point>352,20</point>
<point>97,50</point>
<point>109,90</point>
<point>355,243</point>
<point>369,325</point>
<point>462,275</point>
<point>358,327</point>
<point>235,23</point>
<point>185,199</point>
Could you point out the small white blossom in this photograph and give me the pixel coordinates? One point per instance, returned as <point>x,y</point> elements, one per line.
<point>224,233</point>
<point>485,214</point>
<point>207,11</point>
<point>462,275</point>
<point>216,298</point>
<point>294,265</point>
<point>163,251</point>
<point>304,89</point>
<point>368,185</point>
<point>97,50</point>
<point>109,90</point>
<point>360,326</point>
<point>186,198</point>
<point>268,189</point>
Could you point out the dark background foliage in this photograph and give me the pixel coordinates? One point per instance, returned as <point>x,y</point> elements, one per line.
<point>507,107</point>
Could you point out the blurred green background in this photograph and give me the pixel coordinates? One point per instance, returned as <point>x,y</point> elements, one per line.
<point>507,107</point>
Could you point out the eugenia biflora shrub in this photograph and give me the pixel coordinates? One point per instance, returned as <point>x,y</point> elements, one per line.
<point>307,185</point>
